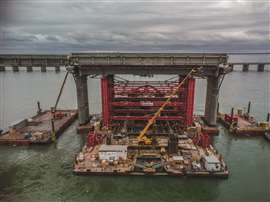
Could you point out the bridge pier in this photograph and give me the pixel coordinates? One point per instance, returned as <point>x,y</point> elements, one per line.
<point>232,67</point>
<point>245,67</point>
<point>57,69</point>
<point>82,98</point>
<point>211,103</point>
<point>2,68</point>
<point>29,69</point>
<point>260,68</point>
<point>43,68</point>
<point>15,68</point>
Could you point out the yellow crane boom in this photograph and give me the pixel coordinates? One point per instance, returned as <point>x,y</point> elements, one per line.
<point>142,137</point>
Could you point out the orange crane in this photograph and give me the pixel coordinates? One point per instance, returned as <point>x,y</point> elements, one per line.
<point>142,139</point>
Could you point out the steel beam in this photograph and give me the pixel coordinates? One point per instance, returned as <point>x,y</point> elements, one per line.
<point>145,118</point>
<point>106,96</point>
<point>190,101</point>
<point>146,104</point>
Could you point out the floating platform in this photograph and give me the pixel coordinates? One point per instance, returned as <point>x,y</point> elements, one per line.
<point>243,126</point>
<point>37,129</point>
<point>124,156</point>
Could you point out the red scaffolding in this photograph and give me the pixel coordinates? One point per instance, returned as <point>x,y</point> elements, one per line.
<point>124,100</point>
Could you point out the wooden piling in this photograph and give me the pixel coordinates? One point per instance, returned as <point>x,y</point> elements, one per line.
<point>248,109</point>
<point>2,68</point>
<point>260,68</point>
<point>232,113</point>
<point>57,69</point>
<point>15,68</point>
<point>245,67</point>
<point>29,69</point>
<point>43,68</point>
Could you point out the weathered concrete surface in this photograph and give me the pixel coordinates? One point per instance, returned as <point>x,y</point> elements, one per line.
<point>82,98</point>
<point>211,101</point>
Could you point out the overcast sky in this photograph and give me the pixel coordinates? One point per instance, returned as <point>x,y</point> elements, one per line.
<point>62,26</point>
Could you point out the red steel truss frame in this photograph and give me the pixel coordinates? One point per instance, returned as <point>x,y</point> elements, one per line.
<point>138,100</point>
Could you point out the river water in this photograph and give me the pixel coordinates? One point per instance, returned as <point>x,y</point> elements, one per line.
<point>44,173</point>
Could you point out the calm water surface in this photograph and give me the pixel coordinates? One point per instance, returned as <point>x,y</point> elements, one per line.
<point>45,173</point>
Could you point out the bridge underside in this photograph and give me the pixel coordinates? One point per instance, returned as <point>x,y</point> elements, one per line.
<point>81,65</point>
<point>210,66</point>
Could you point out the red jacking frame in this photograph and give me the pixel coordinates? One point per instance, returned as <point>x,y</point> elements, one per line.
<point>107,94</point>
<point>138,100</point>
<point>190,101</point>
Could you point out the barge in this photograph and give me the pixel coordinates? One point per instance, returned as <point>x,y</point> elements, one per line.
<point>176,154</point>
<point>148,128</point>
<point>38,129</point>
<point>243,124</point>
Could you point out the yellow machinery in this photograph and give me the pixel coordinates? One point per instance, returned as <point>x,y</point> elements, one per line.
<point>142,139</point>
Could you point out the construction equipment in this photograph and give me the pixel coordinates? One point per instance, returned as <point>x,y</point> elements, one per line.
<point>200,138</point>
<point>53,109</point>
<point>142,138</point>
<point>94,139</point>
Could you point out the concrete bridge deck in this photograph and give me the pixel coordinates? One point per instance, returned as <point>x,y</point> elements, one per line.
<point>212,66</point>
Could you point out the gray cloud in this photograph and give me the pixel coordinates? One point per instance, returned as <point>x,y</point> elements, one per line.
<point>63,26</point>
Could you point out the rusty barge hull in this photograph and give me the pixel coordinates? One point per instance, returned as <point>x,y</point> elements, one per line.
<point>190,174</point>
<point>39,123</point>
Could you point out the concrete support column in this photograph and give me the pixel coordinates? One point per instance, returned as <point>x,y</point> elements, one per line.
<point>245,67</point>
<point>211,103</point>
<point>29,69</point>
<point>82,98</point>
<point>15,68</point>
<point>43,68</point>
<point>2,68</point>
<point>260,68</point>
<point>57,69</point>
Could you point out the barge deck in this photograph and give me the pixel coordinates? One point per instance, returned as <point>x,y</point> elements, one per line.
<point>38,129</point>
<point>114,154</point>
<point>243,126</point>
